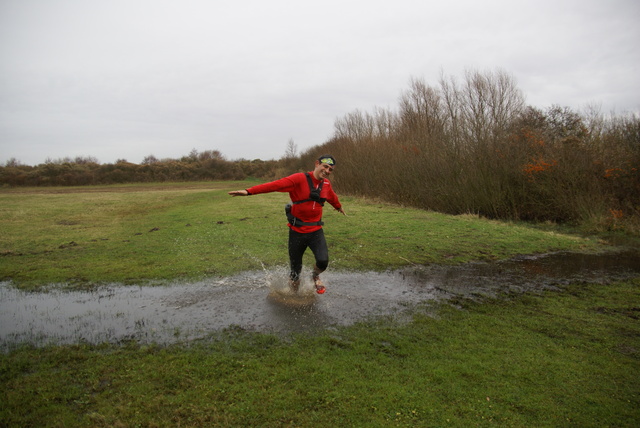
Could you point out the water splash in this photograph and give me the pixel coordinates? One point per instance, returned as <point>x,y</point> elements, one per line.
<point>262,300</point>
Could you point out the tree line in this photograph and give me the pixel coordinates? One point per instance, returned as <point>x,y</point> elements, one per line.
<point>79,171</point>
<point>475,146</point>
<point>459,146</point>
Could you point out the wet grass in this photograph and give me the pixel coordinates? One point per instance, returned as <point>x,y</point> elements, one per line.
<point>566,358</point>
<point>84,236</point>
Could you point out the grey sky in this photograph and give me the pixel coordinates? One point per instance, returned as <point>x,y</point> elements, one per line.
<point>125,79</point>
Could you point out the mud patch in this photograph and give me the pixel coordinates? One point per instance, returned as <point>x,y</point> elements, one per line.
<point>261,301</point>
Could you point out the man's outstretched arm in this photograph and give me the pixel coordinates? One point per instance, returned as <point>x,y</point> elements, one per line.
<point>239,193</point>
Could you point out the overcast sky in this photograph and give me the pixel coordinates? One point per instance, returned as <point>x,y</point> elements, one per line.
<point>117,79</point>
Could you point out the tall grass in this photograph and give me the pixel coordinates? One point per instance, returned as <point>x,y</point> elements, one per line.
<point>476,147</point>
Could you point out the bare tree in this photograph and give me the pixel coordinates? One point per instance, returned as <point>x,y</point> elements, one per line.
<point>84,160</point>
<point>421,111</point>
<point>291,151</point>
<point>13,163</point>
<point>490,101</point>
<point>150,160</point>
<point>211,155</point>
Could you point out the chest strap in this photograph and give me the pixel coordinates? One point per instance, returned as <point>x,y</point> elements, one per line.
<point>314,193</point>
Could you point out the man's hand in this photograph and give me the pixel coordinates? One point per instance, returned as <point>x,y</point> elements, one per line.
<point>342,212</point>
<point>239,193</point>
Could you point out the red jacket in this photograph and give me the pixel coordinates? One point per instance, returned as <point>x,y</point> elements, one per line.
<point>298,188</point>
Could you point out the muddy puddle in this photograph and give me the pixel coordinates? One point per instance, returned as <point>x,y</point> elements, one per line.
<point>260,301</point>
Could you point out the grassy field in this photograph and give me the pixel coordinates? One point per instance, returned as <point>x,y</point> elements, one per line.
<point>568,358</point>
<point>139,233</point>
<point>560,359</point>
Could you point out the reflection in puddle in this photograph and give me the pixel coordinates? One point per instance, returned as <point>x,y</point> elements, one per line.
<point>260,301</point>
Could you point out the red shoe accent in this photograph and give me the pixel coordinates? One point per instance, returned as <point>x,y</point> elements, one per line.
<point>319,285</point>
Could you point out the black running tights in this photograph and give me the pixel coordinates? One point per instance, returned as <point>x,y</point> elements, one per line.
<point>298,244</point>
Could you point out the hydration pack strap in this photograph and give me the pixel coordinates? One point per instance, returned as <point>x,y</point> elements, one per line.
<point>294,221</point>
<point>314,193</point>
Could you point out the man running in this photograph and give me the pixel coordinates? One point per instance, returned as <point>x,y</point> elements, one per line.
<point>308,192</point>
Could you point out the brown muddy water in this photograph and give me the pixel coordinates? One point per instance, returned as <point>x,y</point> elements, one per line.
<point>260,301</point>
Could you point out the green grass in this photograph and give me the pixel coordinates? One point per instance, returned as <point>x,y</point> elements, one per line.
<point>568,358</point>
<point>560,359</point>
<point>139,233</point>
